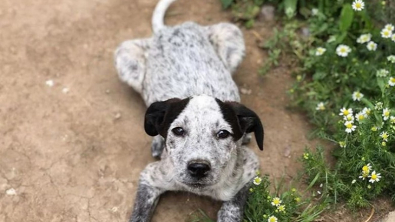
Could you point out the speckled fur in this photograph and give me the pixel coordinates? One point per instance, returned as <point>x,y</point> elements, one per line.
<point>196,62</point>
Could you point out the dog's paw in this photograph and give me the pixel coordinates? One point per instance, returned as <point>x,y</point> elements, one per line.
<point>246,139</point>
<point>157,146</point>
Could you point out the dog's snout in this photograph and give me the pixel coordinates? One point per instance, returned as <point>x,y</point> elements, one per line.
<point>198,169</point>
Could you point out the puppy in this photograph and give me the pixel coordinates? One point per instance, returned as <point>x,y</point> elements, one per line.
<point>184,74</point>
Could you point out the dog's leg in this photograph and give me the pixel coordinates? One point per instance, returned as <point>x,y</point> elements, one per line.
<point>148,194</point>
<point>233,210</point>
<point>228,42</point>
<point>157,146</point>
<point>130,60</point>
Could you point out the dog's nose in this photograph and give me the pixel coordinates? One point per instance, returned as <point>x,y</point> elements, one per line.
<point>198,169</point>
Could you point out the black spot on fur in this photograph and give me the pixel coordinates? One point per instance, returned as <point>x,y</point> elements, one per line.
<point>242,120</point>
<point>160,115</point>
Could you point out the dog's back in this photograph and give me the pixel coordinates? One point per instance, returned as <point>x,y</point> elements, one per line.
<point>182,61</point>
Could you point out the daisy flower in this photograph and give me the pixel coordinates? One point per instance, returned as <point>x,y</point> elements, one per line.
<point>384,135</point>
<point>342,144</point>
<point>314,11</point>
<point>382,73</point>
<point>345,112</point>
<point>257,180</point>
<point>366,111</point>
<point>367,168</point>
<point>320,51</point>
<point>343,50</point>
<point>374,177</point>
<point>276,201</point>
<point>385,33</point>
<point>371,46</point>
<point>272,219</point>
<point>349,118</point>
<point>364,38</point>
<point>378,106</point>
<point>386,114</point>
<point>353,181</point>
<point>358,5</point>
<point>392,119</point>
<point>391,82</point>
<point>320,106</point>
<point>281,208</point>
<point>389,27</point>
<point>391,58</point>
<point>357,96</point>
<point>360,116</point>
<point>349,127</point>
<point>363,176</point>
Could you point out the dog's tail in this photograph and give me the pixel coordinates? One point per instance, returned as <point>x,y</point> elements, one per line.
<point>159,14</point>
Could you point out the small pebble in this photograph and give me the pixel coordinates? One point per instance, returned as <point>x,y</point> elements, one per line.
<point>245,91</point>
<point>108,91</point>
<point>117,115</point>
<point>267,13</point>
<point>65,90</point>
<point>305,32</point>
<point>49,83</point>
<point>11,192</point>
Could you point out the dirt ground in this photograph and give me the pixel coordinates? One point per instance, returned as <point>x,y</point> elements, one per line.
<point>77,155</point>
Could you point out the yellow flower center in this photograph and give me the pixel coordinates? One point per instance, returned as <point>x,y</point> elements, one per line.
<point>276,201</point>
<point>374,176</point>
<point>345,112</point>
<point>386,113</point>
<point>386,33</point>
<point>358,5</point>
<point>365,169</point>
<point>349,125</point>
<point>272,219</point>
<point>385,136</point>
<point>343,50</point>
<point>361,117</point>
<point>257,180</point>
<point>392,80</point>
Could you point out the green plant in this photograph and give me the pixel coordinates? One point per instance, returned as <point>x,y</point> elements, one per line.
<point>283,204</point>
<point>345,85</point>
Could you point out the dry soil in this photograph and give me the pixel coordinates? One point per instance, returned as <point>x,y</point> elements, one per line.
<point>77,155</point>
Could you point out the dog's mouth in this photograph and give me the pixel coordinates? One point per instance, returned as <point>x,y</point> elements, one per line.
<point>196,185</point>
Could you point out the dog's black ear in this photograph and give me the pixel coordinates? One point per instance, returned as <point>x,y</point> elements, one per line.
<point>160,115</point>
<point>243,120</point>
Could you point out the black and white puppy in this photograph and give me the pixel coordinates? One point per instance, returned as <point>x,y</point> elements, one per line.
<point>184,74</point>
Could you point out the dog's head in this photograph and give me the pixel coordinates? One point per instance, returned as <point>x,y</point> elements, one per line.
<point>202,135</point>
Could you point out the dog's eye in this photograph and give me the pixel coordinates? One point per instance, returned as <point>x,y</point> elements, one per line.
<point>222,134</point>
<point>178,131</point>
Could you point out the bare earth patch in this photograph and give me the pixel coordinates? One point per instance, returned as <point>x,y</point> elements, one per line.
<point>73,151</point>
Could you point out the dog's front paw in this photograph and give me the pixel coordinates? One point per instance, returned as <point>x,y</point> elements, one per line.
<point>157,146</point>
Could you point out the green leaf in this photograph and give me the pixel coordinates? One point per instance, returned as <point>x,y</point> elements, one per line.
<point>319,75</point>
<point>381,84</point>
<point>290,7</point>
<point>226,3</point>
<point>346,18</point>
